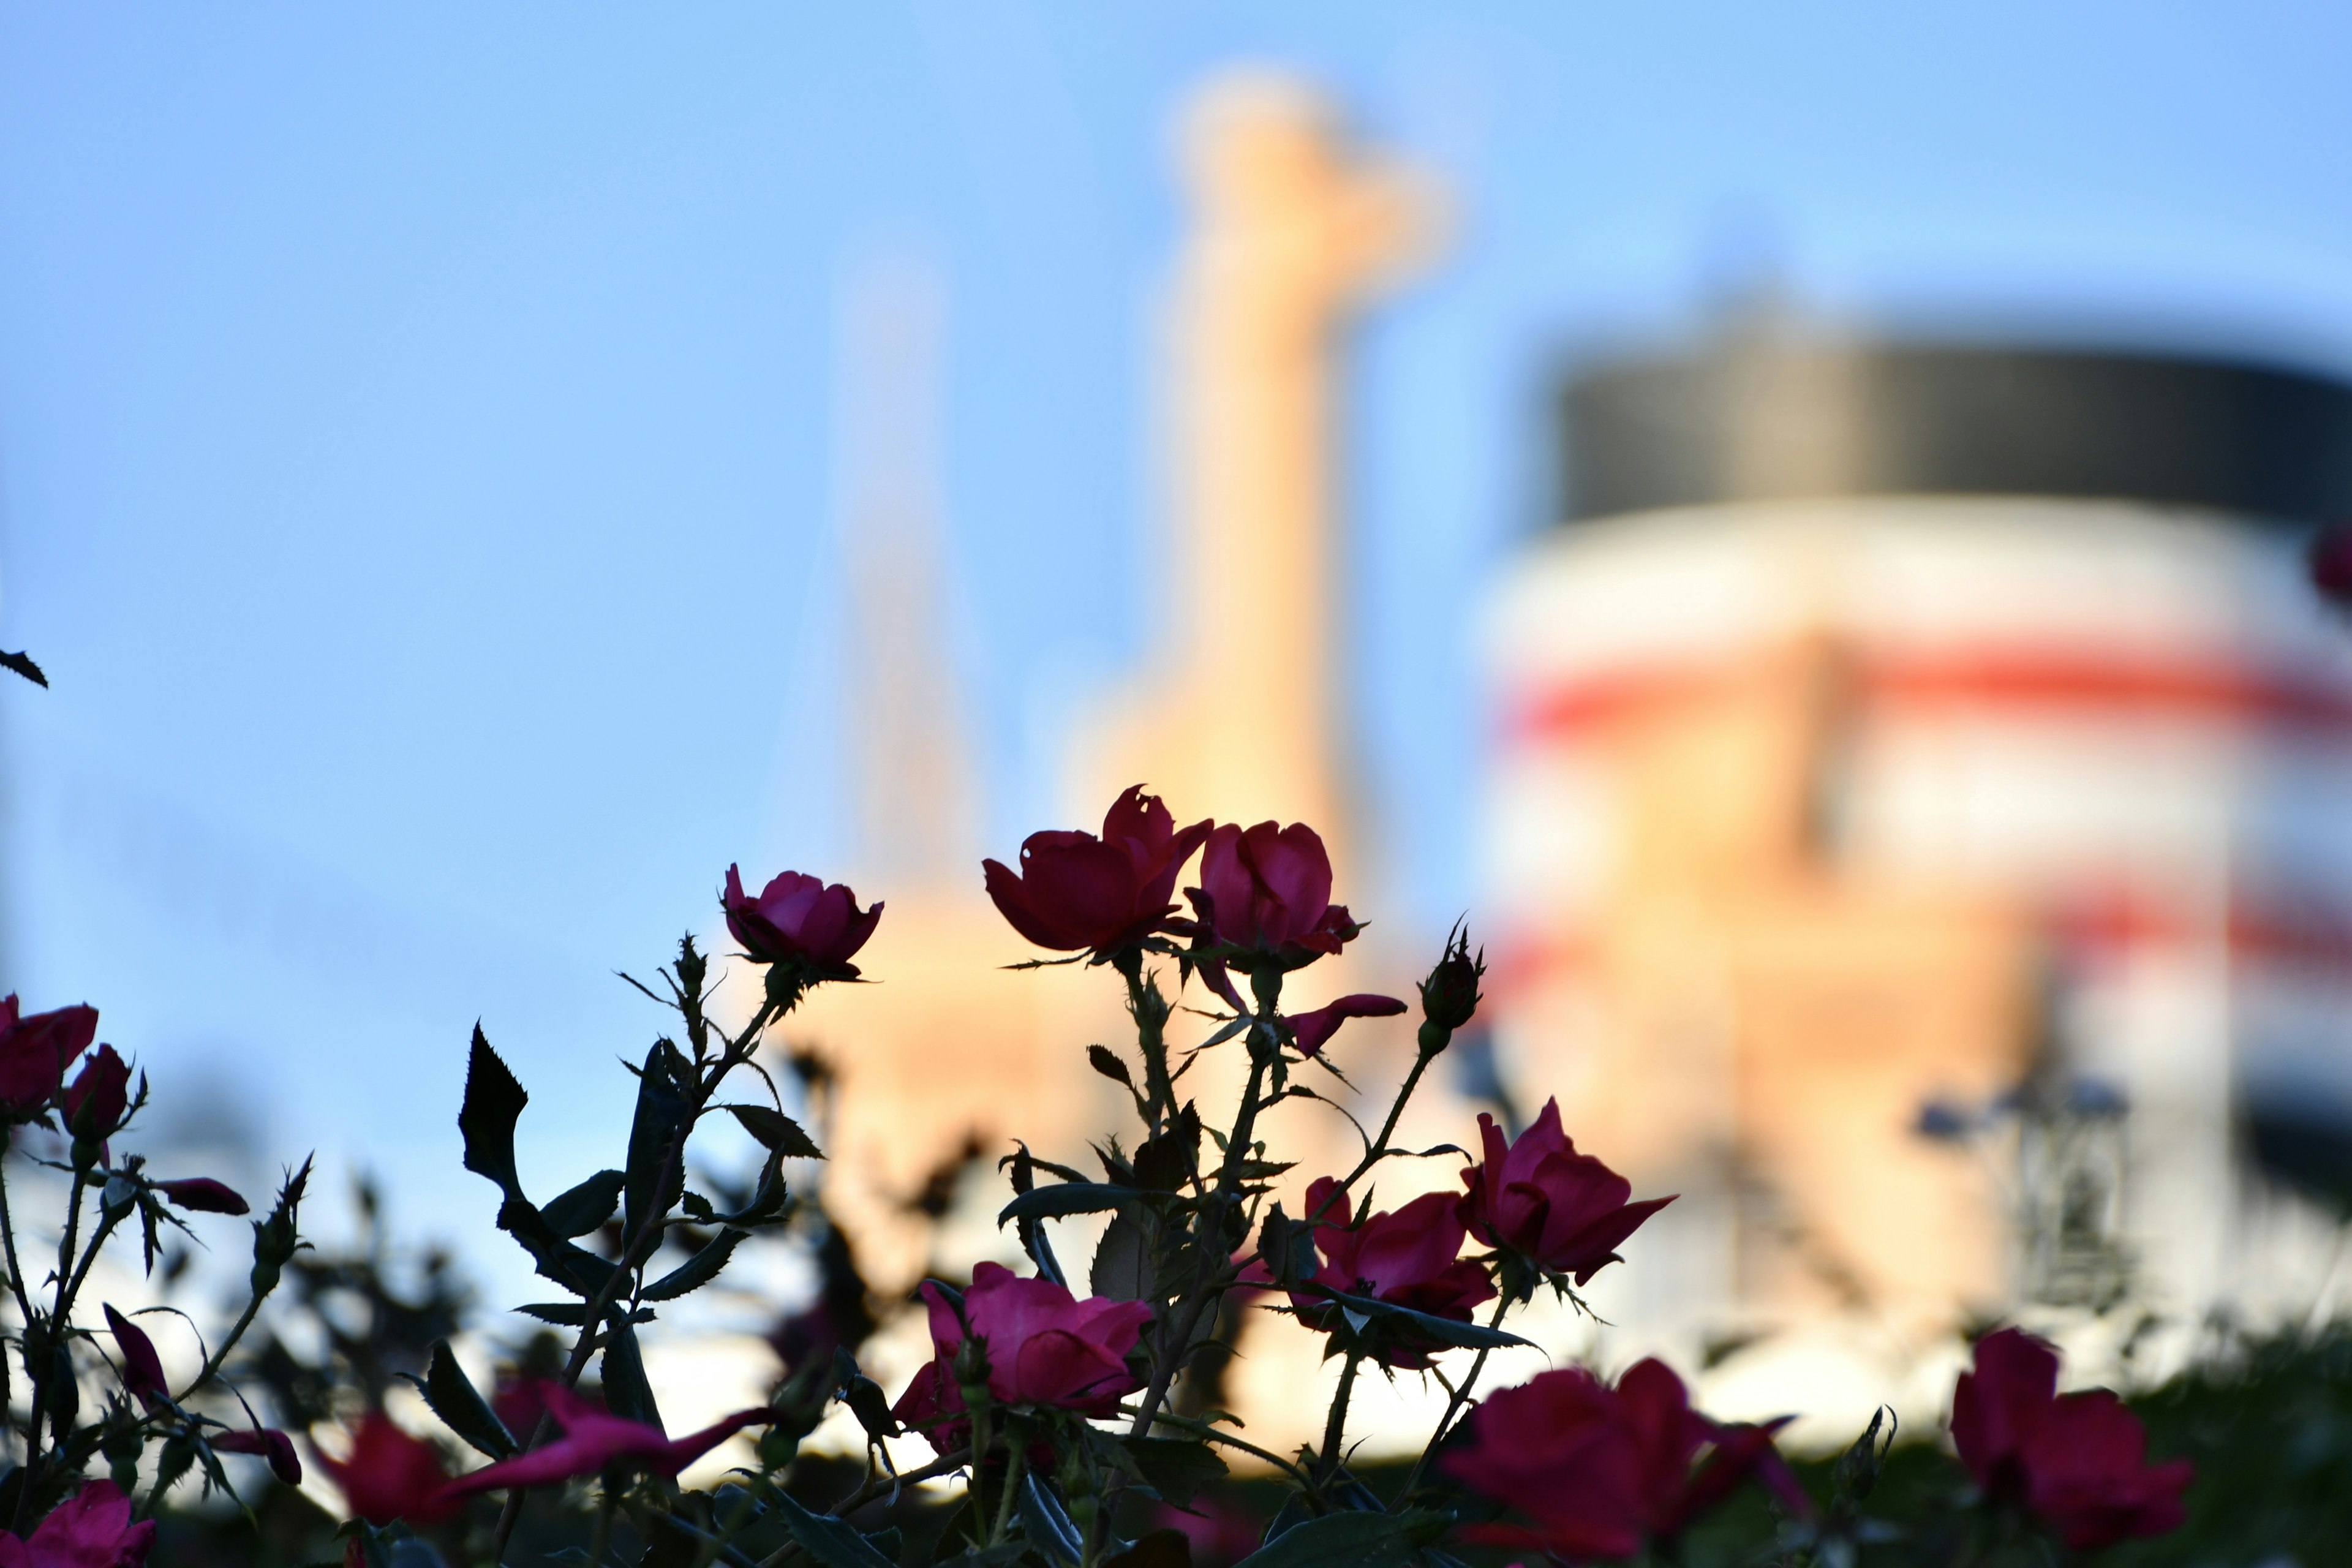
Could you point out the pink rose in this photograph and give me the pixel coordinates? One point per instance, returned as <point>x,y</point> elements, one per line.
<point>99,1096</point>
<point>1077,891</point>
<point>801,922</point>
<point>143,1369</point>
<point>34,1052</point>
<point>1308,1031</point>
<point>1044,1346</point>
<point>391,1474</point>
<point>1268,890</point>
<point>1409,1257</point>
<point>90,1529</point>
<point>2078,1462</point>
<point>1541,1198</point>
<point>594,1438</point>
<point>1601,1471</point>
<point>267,1442</point>
<point>204,1195</point>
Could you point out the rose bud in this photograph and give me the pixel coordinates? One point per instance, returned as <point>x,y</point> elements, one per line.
<point>2078,1462</point>
<point>99,1096</point>
<point>596,1440</point>
<point>204,1196</point>
<point>1043,1346</point>
<point>391,1474</point>
<point>1408,1258</point>
<point>1267,891</point>
<point>1564,1211</point>
<point>2330,564</point>
<point>1308,1031</point>
<point>91,1526</point>
<point>1077,892</point>
<point>143,1369</point>
<point>1449,998</point>
<point>34,1053</point>
<point>800,923</point>
<point>1600,1471</point>
<point>270,1444</point>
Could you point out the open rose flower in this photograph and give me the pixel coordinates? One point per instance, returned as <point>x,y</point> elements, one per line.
<point>1044,1346</point>
<point>594,1439</point>
<point>1310,1031</point>
<point>934,1405</point>
<point>34,1052</point>
<point>1267,890</point>
<point>1409,1257</point>
<point>2077,1461</point>
<point>800,922</point>
<point>100,1096</point>
<point>1075,891</point>
<point>1600,1471</point>
<point>92,1529</point>
<point>1538,1197</point>
<point>391,1474</point>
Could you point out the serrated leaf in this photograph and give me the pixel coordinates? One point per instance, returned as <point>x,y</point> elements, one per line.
<point>486,1119</point>
<point>1350,1541</point>
<point>623,1372</point>
<point>697,1270</point>
<point>1441,1330</point>
<point>585,1207</point>
<point>1047,1525</point>
<point>1106,1063</point>
<point>654,1133</point>
<point>451,1395</point>
<point>573,1315</point>
<point>777,1132</point>
<point>1122,1266</point>
<point>1175,1468</point>
<point>22,664</point>
<point>1067,1198</point>
<point>830,1540</point>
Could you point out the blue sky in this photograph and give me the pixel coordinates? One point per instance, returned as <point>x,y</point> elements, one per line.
<point>416,422</point>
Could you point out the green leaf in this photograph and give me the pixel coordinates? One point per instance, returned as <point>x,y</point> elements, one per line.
<point>451,1395</point>
<point>623,1372</point>
<point>585,1207</point>
<point>1422,1325</point>
<point>1103,1061</point>
<point>1175,1468</point>
<point>697,1270</point>
<point>572,1314</point>
<point>776,1131</point>
<point>1069,1198</point>
<point>1047,1525</point>
<point>493,1104</point>
<point>1122,1266</point>
<point>1350,1541</point>
<point>828,1539</point>
<point>654,1133</point>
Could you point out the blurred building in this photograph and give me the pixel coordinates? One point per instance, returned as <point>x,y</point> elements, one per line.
<point>1921,829</point>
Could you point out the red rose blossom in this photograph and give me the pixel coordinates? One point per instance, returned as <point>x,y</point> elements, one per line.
<point>1409,1257</point>
<point>1268,890</point>
<point>594,1438</point>
<point>2078,1462</point>
<point>1044,1346</point>
<point>1541,1198</point>
<point>800,920</point>
<point>99,1096</point>
<point>1308,1031</point>
<point>1076,891</point>
<point>34,1052</point>
<point>934,1405</point>
<point>391,1474</point>
<point>90,1529</point>
<point>1599,1471</point>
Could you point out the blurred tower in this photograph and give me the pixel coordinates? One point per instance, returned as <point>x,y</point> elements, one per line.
<point>1887,723</point>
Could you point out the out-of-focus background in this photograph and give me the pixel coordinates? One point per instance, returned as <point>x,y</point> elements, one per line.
<point>1787,518</point>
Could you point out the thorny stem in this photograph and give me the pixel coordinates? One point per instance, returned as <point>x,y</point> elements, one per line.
<point>1150,1012</point>
<point>1015,1467</point>
<point>8,1237</point>
<point>880,1484</point>
<point>651,1228</point>
<point>1335,1430</point>
<point>1211,1433</point>
<point>1454,1405</point>
<point>59,1323</point>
